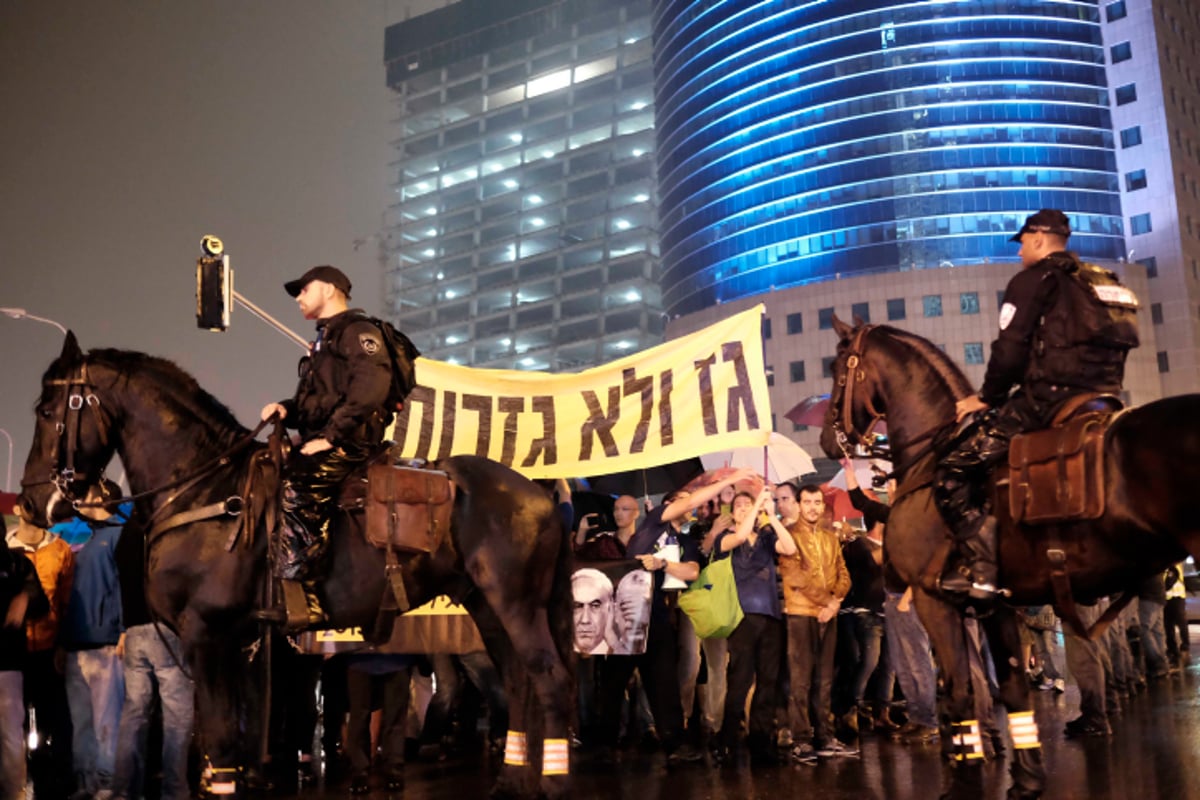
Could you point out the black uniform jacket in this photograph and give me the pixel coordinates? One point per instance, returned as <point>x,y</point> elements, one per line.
<point>344,383</point>
<point>1029,294</point>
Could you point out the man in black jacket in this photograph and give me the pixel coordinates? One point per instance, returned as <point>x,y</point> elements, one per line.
<point>340,409</point>
<point>1046,351</point>
<point>21,599</point>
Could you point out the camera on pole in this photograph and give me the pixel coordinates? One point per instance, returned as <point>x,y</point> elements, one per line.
<point>214,286</point>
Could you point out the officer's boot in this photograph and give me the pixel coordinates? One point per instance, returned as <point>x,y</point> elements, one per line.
<point>975,572</point>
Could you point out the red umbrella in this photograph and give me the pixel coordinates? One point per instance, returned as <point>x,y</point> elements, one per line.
<point>753,485</point>
<point>811,411</point>
<point>838,505</point>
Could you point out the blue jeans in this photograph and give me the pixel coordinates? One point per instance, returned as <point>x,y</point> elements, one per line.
<point>95,689</point>
<point>12,735</point>
<point>867,645</point>
<point>149,663</point>
<point>912,660</point>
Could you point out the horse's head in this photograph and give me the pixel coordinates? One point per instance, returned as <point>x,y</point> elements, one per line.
<point>852,411</point>
<point>71,441</point>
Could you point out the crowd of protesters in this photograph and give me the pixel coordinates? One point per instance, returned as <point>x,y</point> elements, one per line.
<point>826,654</point>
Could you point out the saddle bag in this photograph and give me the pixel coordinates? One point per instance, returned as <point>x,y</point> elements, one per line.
<point>407,509</point>
<point>1057,475</point>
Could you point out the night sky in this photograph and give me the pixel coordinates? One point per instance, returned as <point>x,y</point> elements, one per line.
<point>131,129</point>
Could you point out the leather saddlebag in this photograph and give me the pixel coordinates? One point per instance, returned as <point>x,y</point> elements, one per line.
<point>1057,475</point>
<point>410,508</point>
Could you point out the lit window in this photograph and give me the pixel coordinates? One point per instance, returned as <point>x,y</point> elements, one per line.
<point>638,152</point>
<point>622,224</point>
<point>591,70</point>
<point>638,106</point>
<point>494,167</point>
<point>534,199</point>
<point>537,222</point>
<point>516,138</point>
<point>548,83</point>
<point>452,340</point>
<point>547,154</point>
<point>1140,224</point>
<point>509,183</point>
<point>431,232</point>
<point>505,97</point>
<point>428,253</point>
<point>451,294</point>
<point>641,198</point>
<point>431,210</point>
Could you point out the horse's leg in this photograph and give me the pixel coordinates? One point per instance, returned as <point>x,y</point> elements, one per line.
<point>960,730</point>
<point>1004,638</point>
<point>516,778</point>
<point>537,655</point>
<point>215,664</point>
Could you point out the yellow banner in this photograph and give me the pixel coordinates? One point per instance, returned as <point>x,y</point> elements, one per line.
<point>694,395</point>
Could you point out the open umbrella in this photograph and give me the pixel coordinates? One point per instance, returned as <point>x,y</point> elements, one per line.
<point>658,479</point>
<point>838,505</point>
<point>864,470</point>
<point>779,460</point>
<point>752,485</point>
<point>811,411</point>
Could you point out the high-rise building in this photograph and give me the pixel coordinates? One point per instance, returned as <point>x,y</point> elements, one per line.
<point>522,231</point>
<point>1153,53</point>
<point>871,159</point>
<point>799,142</point>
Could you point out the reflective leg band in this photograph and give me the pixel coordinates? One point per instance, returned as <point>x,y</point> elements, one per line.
<point>223,781</point>
<point>1023,730</point>
<point>555,757</point>
<point>514,750</point>
<point>966,741</point>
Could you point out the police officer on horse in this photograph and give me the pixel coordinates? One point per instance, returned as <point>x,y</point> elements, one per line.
<point>1058,339</point>
<point>341,412</point>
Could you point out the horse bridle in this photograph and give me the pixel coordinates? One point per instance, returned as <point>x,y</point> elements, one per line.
<point>80,395</point>
<point>842,400</point>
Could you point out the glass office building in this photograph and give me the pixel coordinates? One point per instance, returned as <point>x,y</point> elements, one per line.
<point>804,141</point>
<point>522,233</point>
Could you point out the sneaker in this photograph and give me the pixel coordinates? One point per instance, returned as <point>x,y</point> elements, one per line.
<point>834,748</point>
<point>783,739</point>
<point>1059,686</point>
<point>920,734</point>
<point>685,754</point>
<point>804,754</point>
<point>1080,727</point>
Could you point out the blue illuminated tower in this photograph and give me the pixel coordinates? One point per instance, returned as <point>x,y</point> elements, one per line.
<point>803,141</point>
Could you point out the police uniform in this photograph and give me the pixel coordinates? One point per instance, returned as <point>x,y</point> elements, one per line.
<point>342,398</point>
<point>1038,352</point>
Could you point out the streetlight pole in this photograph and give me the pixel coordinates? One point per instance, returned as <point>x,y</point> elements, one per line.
<point>8,477</point>
<point>20,313</point>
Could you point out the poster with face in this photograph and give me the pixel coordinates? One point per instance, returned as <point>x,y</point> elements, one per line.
<point>611,602</point>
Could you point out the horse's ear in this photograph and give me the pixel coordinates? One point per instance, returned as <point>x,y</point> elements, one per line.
<point>843,330</point>
<point>70,352</point>
<point>858,321</point>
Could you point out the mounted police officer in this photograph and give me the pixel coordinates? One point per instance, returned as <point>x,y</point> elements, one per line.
<point>340,410</point>
<point>1057,340</point>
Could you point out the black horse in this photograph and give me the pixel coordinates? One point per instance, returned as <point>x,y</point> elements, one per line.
<point>1152,466</point>
<point>506,555</point>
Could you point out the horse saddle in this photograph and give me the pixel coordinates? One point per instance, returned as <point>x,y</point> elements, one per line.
<point>1057,474</point>
<point>408,509</point>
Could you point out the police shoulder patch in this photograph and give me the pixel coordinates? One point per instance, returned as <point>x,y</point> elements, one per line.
<point>1007,312</point>
<point>370,343</point>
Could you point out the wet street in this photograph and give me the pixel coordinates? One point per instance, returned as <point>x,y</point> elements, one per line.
<point>1154,753</point>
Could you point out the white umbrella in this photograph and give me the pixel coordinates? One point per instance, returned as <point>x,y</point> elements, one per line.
<point>779,460</point>
<point>863,471</point>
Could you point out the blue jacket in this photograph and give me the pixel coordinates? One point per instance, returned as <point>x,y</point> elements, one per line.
<point>93,617</point>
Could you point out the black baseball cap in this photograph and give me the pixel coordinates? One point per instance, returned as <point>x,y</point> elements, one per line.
<point>331,275</point>
<point>1048,220</point>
